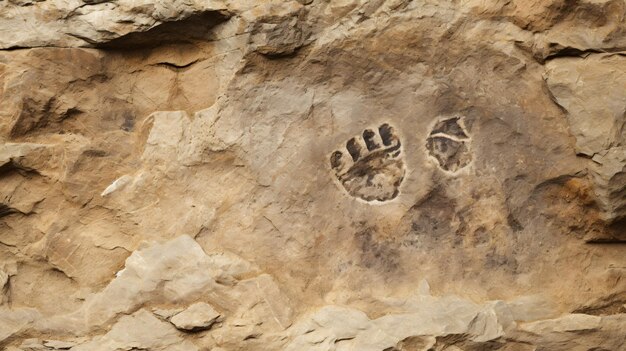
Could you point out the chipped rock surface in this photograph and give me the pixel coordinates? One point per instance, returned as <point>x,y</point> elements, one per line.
<point>198,316</point>
<point>388,175</point>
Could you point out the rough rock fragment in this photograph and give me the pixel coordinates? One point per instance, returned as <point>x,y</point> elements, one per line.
<point>98,22</point>
<point>6,271</point>
<point>167,313</point>
<point>606,305</point>
<point>195,27</point>
<point>453,324</point>
<point>176,271</point>
<point>265,299</point>
<point>352,329</point>
<point>38,96</point>
<point>609,175</point>
<point>575,332</point>
<point>280,36</point>
<point>562,27</point>
<point>21,168</point>
<point>4,281</point>
<point>199,316</point>
<point>593,92</point>
<point>13,321</point>
<point>24,156</point>
<point>570,323</point>
<point>141,330</point>
<point>581,27</point>
<point>59,345</point>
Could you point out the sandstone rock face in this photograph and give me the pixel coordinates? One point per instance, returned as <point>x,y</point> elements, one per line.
<point>389,175</point>
<point>199,316</point>
<point>595,112</point>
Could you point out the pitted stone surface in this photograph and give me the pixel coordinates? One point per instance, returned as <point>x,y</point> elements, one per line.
<point>386,175</point>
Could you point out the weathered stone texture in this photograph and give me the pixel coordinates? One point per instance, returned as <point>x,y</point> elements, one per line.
<point>389,175</point>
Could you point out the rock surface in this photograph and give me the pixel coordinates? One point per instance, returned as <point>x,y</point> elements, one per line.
<point>199,316</point>
<point>392,175</point>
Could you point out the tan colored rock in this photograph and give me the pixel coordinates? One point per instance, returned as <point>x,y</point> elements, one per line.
<point>592,91</point>
<point>609,174</point>
<point>20,163</point>
<point>559,27</point>
<point>280,36</point>
<point>571,323</point>
<point>346,328</point>
<point>199,316</point>
<point>304,167</point>
<point>14,320</point>
<point>118,19</point>
<point>174,272</point>
<point>58,345</point>
<point>141,330</point>
<point>167,313</point>
<point>6,271</point>
<point>595,111</point>
<point>567,332</point>
<point>102,22</point>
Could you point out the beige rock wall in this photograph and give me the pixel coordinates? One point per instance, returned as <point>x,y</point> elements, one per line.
<point>313,175</point>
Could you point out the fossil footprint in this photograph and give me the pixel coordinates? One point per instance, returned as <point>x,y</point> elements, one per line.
<point>448,143</point>
<point>371,167</point>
